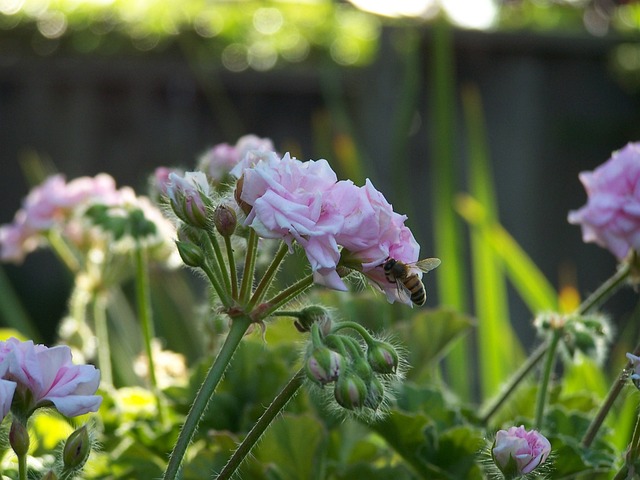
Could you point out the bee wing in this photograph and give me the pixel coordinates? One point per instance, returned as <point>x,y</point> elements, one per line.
<point>404,294</point>
<point>427,264</point>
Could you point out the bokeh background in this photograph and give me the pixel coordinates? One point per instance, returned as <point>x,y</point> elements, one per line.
<point>124,86</point>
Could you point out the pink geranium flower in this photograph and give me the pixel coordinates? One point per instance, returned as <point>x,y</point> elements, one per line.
<point>517,451</point>
<point>47,376</point>
<point>287,200</point>
<point>611,217</point>
<point>224,159</point>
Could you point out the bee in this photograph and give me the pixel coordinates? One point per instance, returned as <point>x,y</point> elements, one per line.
<point>409,284</point>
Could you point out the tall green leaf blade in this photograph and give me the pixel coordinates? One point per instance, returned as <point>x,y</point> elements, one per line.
<point>499,348</point>
<point>12,312</point>
<point>530,283</point>
<point>448,232</point>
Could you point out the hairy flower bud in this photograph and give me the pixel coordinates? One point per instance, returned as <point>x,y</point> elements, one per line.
<point>324,365</point>
<point>350,391</point>
<point>313,314</point>
<point>375,394</point>
<point>189,198</point>
<point>190,254</point>
<point>382,357</point>
<point>19,438</point>
<point>76,449</point>
<point>224,219</point>
<point>517,452</point>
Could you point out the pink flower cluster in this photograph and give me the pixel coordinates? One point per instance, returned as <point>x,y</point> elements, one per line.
<point>304,202</point>
<point>47,205</point>
<point>520,451</point>
<point>57,204</point>
<point>611,217</point>
<point>33,376</point>
<point>222,159</point>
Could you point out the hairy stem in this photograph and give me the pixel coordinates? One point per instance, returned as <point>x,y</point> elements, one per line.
<point>287,295</point>
<point>265,282</point>
<point>276,406</point>
<point>232,267</point>
<point>102,334</point>
<point>238,329</point>
<point>546,376</point>
<point>249,266</point>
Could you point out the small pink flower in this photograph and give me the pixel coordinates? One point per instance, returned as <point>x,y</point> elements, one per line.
<point>611,217</point>
<point>224,159</point>
<point>45,376</point>
<point>517,451</point>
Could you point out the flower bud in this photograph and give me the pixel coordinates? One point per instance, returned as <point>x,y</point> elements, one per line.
<point>76,449</point>
<point>19,438</point>
<point>190,254</point>
<point>313,314</point>
<point>382,357</point>
<point>375,394</point>
<point>189,199</point>
<point>350,391</point>
<point>517,452</point>
<point>324,365</point>
<point>224,218</point>
<point>237,194</point>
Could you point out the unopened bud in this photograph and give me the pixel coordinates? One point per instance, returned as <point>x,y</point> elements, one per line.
<point>324,365</point>
<point>313,314</point>
<point>375,394</point>
<point>190,254</point>
<point>76,449</point>
<point>350,391</point>
<point>237,194</point>
<point>382,357</point>
<point>19,438</point>
<point>224,218</point>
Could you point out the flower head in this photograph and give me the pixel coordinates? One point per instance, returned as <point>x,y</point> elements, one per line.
<point>46,376</point>
<point>517,451</point>
<point>287,202</point>
<point>189,197</point>
<point>611,217</point>
<point>224,159</point>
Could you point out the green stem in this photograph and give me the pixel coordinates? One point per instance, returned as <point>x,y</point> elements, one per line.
<point>603,292</point>
<point>632,454</point>
<point>265,282</point>
<point>215,283</point>
<point>143,299</point>
<point>546,376</point>
<point>286,296</point>
<point>65,252</point>
<point>614,391</point>
<point>238,329</point>
<point>22,467</point>
<point>232,267</point>
<point>276,406</point>
<point>514,381</point>
<point>220,260</point>
<point>102,334</point>
<point>357,327</point>
<point>249,266</point>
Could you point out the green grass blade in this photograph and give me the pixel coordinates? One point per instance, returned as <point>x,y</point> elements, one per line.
<point>499,349</point>
<point>446,225</point>
<point>530,283</point>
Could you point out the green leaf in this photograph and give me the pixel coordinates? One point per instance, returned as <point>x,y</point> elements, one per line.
<point>429,334</point>
<point>295,444</point>
<point>457,452</point>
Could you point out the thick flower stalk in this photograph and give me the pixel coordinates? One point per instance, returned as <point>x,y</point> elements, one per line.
<point>517,452</point>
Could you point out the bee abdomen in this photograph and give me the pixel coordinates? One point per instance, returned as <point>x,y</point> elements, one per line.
<point>418,293</point>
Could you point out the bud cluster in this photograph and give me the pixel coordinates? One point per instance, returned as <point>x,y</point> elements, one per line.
<point>361,374</point>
